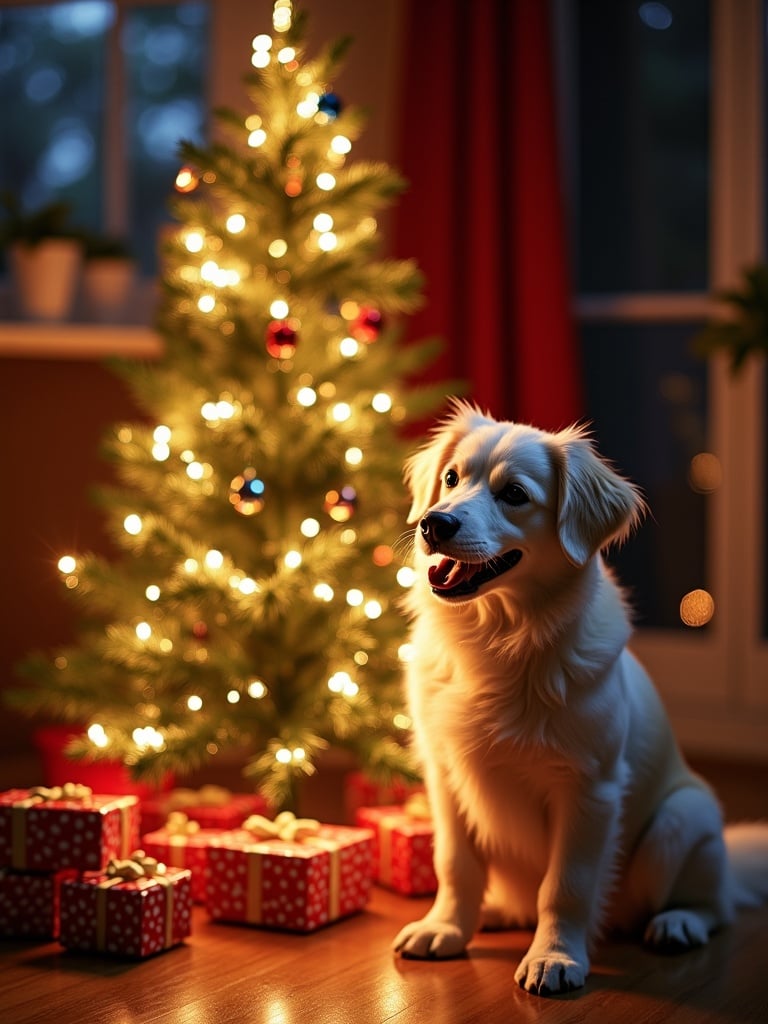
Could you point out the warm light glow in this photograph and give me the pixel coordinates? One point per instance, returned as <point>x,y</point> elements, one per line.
<point>132,524</point>
<point>194,703</point>
<point>307,107</point>
<point>67,564</point>
<point>278,248</point>
<point>381,402</point>
<point>310,527</point>
<point>152,593</point>
<point>257,689</point>
<point>206,303</point>
<point>191,565</point>
<point>340,144</point>
<point>260,58</point>
<point>406,576</point>
<point>279,309</point>
<point>259,136</point>
<point>162,434</point>
<point>306,397</point>
<point>298,754</point>
<point>406,652</point>
<point>283,755</point>
<point>248,586</point>
<point>186,180</point>
<point>233,696</point>
<point>323,592</point>
<point>235,223</point>
<point>353,456</point>
<point>349,347</point>
<point>194,241</point>
<point>341,412</point>
<point>342,682</point>
<point>214,559</point>
<point>383,555</point>
<point>401,721</point>
<point>262,42</point>
<point>97,735</point>
<point>373,609</point>
<point>286,55</point>
<point>292,559</point>
<point>325,181</point>
<point>355,597</point>
<point>323,222</point>
<point>161,452</point>
<point>195,471</point>
<point>327,242</point>
<point>281,15</point>
<point>697,608</point>
<point>148,736</point>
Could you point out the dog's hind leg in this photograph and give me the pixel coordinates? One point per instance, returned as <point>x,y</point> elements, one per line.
<point>678,873</point>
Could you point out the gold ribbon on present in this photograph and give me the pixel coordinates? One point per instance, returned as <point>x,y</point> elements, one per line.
<point>179,828</point>
<point>206,796</point>
<point>130,869</point>
<point>415,808</point>
<point>73,791</point>
<point>286,827</point>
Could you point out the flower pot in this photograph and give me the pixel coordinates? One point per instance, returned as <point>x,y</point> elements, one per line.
<point>107,288</point>
<point>45,277</point>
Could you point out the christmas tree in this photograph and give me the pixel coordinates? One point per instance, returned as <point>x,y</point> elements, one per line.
<point>255,605</point>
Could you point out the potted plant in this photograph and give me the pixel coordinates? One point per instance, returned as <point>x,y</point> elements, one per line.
<point>44,257</point>
<point>109,272</point>
<point>741,330</point>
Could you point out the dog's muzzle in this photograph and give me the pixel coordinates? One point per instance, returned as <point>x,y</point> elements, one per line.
<point>437,527</point>
<point>452,578</point>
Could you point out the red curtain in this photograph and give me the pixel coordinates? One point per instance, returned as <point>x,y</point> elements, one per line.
<point>483,215</point>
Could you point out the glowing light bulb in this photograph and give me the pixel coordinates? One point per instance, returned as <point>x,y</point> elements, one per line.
<point>248,586</point>
<point>194,703</point>
<point>194,241</point>
<point>373,609</point>
<point>283,755</point>
<point>341,412</point>
<point>292,559</point>
<point>306,397</point>
<point>162,434</point>
<point>191,565</point>
<point>214,559</point>
<point>406,652</point>
<point>152,593</point>
<point>233,696</point>
<point>325,181</point>
<point>262,42</point>
<point>406,576</point>
<point>353,456</point>
<point>143,631</point>
<point>186,180</point>
<point>349,347</point>
<point>195,471</point>
<point>260,58</point>
<point>340,144</point>
<point>323,222</point>
<point>132,524</point>
<point>257,689</point>
<point>206,303</point>
<point>381,402</point>
<point>355,597</point>
<point>286,55</point>
<point>258,137</point>
<point>279,309</point>
<point>327,241</point>
<point>277,248</point>
<point>235,223</point>
<point>310,528</point>
<point>97,735</point>
<point>160,452</point>
<point>401,721</point>
<point>67,564</point>
<point>323,592</point>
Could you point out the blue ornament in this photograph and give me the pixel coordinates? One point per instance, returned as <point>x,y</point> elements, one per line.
<point>330,105</point>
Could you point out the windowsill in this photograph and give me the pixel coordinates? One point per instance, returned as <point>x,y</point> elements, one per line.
<point>24,340</point>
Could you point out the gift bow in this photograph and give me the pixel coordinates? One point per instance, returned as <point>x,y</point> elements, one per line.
<point>138,865</point>
<point>286,826</point>
<point>206,796</point>
<point>417,806</point>
<point>69,791</point>
<point>178,824</point>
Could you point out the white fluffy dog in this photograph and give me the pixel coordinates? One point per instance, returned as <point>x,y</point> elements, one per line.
<point>560,799</point>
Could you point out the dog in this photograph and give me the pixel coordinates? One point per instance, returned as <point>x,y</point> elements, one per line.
<point>561,802</point>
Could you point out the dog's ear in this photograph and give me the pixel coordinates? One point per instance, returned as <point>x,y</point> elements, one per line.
<point>596,506</point>
<point>423,469</point>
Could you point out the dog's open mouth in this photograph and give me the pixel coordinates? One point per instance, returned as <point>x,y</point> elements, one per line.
<point>450,578</point>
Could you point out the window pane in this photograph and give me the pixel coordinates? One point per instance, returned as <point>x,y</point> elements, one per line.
<point>647,401</point>
<point>52,63</point>
<point>166,49</point>
<point>643,104</point>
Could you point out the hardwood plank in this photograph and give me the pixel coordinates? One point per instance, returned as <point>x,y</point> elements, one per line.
<point>346,974</point>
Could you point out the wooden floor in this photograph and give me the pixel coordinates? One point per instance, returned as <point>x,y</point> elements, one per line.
<point>345,974</point>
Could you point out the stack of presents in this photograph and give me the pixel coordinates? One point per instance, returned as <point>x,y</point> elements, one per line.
<point>119,874</point>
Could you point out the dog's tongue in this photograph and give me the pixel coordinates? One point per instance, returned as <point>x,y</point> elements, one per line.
<point>448,573</point>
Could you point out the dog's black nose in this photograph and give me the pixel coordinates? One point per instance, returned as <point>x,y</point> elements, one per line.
<point>438,526</point>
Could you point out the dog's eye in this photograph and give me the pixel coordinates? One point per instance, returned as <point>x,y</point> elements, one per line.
<point>451,478</point>
<point>513,494</point>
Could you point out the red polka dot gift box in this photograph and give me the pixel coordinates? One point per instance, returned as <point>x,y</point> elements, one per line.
<point>65,827</point>
<point>29,903</point>
<point>293,873</point>
<point>210,806</point>
<point>135,908</point>
<point>181,843</point>
<point>403,846</point>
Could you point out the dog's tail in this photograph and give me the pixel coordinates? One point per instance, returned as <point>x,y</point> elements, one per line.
<point>747,847</point>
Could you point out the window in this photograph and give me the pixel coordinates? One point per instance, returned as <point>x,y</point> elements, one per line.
<point>94,98</point>
<point>663,109</point>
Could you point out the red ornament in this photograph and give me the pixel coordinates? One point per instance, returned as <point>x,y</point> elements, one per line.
<point>200,631</point>
<point>367,325</point>
<point>282,338</point>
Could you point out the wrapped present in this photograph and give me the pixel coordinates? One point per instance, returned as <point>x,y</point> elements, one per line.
<point>403,845</point>
<point>290,873</point>
<point>135,908</point>
<point>65,827</point>
<point>29,903</point>
<point>362,791</point>
<point>182,843</point>
<point>210,806</point>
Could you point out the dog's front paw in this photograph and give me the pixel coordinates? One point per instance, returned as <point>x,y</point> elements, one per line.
<point>675,931</point>
<point>428,939</point>
<point>548,975</point>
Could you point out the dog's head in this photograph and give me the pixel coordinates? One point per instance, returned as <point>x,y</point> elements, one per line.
<point>498,504</point>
